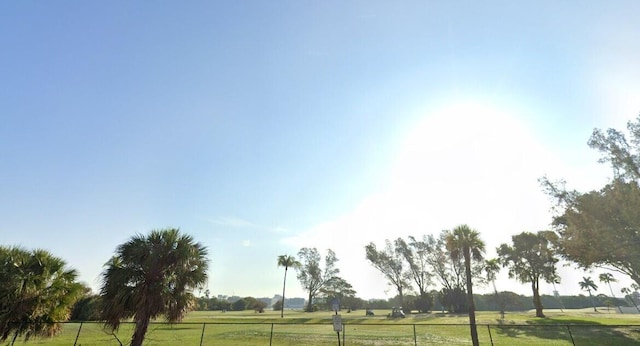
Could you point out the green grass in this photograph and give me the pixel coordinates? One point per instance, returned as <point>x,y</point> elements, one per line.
<point>300,328</point>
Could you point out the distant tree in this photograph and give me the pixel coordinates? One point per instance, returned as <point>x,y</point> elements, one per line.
<point>629,296</point>
<point>450,273</point>
<point>602,228</point>
<point>507,301</point>
<point>37,292</point>
<point>339,289</point>
<point>531,258</point>
<point>259,306</point>
<point>380,304</point>
<point>86,308</point>
<point>150,276</point>
<point>416,254</point>
<point>311,274</point>
<point>492,268</point>
<point>240,304</point>
<point>608,279</point>
<point>390,264</point>
<point>277,305</point>
<point>587,285</point>
<point>287,262</point>
<point>353,303</point>
<point>212,303</point>
<point>463,242</point>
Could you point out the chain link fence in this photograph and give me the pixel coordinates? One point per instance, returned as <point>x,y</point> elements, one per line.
<point>281,334</point>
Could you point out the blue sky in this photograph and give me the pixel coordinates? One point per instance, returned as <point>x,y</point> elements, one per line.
<point>262,127</point>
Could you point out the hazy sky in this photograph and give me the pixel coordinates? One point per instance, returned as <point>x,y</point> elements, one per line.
<point>260,127</point>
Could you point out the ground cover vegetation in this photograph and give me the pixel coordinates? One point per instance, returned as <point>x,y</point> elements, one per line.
<point>315,328</point>
<point>154,276</point>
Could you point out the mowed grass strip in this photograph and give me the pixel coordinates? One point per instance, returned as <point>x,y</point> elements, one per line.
<point>301,328</point>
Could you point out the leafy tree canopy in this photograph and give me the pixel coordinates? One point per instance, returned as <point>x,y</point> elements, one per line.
<point>391,264</point>
<point>152,275</point>
<point>312,275</point>
<point>531,258</point>
<point>602,227</point>
<point>37,291</point>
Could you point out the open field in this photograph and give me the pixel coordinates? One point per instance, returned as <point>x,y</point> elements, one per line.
<point>579,327</point>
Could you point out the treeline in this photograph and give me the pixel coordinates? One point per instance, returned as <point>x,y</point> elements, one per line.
<point>484,302</point>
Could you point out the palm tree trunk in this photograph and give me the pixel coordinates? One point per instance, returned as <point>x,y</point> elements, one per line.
<point>497,297</point>
<point>472,308</point>
<point>141,329</point>
<point>614,298</point>
<point>593,302</point>
<point>634,303</point>
<point>284,285</point>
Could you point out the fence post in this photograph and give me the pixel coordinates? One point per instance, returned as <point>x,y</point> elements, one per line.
<point>202,335</point>
<point>490,337</point>
<point>78,334</point>
<point>344,332</point>
<point>571,335</point>
<point>271,337</point>
<point>415,337</point>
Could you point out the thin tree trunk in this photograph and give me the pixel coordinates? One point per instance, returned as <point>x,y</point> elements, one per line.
<point>141,330</point>
<point>536,299</point>
<point>15,336</point>
<point>497,297</point>
<point>284,285</point>
<point>614,298</point>
<point>634,303</point>
<point>309,305</point>
<point>593,302</point>
<point>472,308</point>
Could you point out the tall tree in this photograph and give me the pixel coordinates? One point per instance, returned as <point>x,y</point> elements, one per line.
<point>608,279</point>
<point>287,262</point>
<point>416,254</point>
<point>587,285</point>
<point>450,273</point>
<point>466,243</point>
<point>602,227</point>
<point>530,258</point>
<point>152,275</point>
<point>311,274</point>
<point>339,289</point>
<point>492,268</point>
<point>390,264</point>
<point>37,292</point>
<point>629,294</point>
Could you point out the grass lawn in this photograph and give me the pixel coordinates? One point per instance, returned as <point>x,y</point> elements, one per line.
<point>300,328</point>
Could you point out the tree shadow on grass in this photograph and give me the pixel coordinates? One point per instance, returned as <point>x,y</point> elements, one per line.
<point>576,331</point>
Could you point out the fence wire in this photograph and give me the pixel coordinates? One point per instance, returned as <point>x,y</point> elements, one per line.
<point>319,334</point>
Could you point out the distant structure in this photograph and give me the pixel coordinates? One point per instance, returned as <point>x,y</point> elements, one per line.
<point>289,303</point>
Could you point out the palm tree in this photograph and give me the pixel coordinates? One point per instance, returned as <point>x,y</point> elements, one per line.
<point>587,285</point>
<point>608,279</point>
<point>492,268</point>
<point>465,242</point>
<point>37,291</point>
<point>287,262</point>
<point>627,292</point>
<point>150,276</point>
